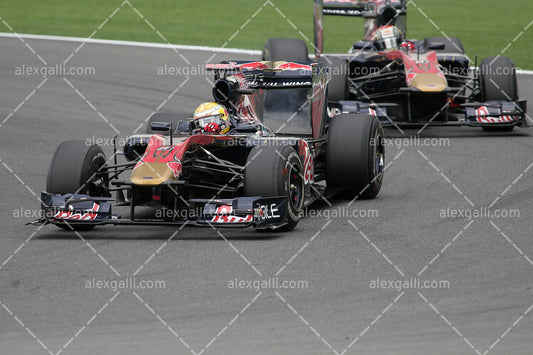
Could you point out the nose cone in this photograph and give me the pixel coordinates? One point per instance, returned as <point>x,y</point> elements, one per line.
<point>150,174</point>
<point>429,82</point>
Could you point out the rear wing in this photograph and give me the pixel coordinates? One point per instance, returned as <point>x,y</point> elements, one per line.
<point>236,78</point>
<point>375,12</point>
<point>268,75</point>
<point>345,8</point>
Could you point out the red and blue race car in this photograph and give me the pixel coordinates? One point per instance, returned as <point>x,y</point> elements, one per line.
<point>408,82</point>
<point>224,167</point>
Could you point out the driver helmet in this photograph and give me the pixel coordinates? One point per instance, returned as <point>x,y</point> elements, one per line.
<point>388,37</point>
<point>212,117</point>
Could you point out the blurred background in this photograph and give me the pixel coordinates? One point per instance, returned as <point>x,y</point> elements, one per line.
<point>486,27</point>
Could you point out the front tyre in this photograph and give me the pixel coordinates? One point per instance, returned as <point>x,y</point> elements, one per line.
<point>277,171</point>
<point>355,155</point>
<point>78,168</point>
<point>498,82</point>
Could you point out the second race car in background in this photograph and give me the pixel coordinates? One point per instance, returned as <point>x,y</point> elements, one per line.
<point>409,82</point>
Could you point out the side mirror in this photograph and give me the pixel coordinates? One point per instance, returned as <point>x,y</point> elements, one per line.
<point>364,45</point>
<point>161,126</point>
<point>436,46</point>
<point>246,128</point>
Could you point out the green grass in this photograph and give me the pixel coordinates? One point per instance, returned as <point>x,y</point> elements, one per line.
<point>486,27</point>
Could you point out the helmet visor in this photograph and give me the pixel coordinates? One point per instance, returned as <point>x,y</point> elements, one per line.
<point>388,43</point>
<point>208,119</point>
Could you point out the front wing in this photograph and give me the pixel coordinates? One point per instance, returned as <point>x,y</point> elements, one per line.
<point>83,210</point>
<point>487,114</point>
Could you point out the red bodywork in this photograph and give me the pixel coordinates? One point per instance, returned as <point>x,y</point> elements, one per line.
<point>415,64</point>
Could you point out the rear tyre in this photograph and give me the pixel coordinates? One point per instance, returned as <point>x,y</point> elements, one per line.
<point>338,77</point>
<point>76,168</point>
<point>498,82</point>
<point>277,171</point>
<point>451,45</point>
<point>290,50</point>
<point>286,49</point>
<point>355,155</point>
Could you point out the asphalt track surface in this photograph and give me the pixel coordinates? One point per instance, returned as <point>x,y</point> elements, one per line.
<point>47,307</point>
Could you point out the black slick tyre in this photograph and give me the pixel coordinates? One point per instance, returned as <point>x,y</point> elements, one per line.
<point>277,171</point>
<point>355,155</point>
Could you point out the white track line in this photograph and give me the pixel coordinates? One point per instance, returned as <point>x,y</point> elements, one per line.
<point>131,43</point>
<point>154,45</point>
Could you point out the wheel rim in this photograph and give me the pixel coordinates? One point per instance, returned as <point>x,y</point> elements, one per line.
<point>296,188</point>
<point>98,174</point>
<point>379,157</point>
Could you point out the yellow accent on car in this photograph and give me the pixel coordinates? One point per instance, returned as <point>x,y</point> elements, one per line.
<point>429,82</point>
<point>151,174</point>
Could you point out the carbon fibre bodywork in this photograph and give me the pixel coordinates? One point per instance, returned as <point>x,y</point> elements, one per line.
<point>424,82</point>
<point>199,178</point>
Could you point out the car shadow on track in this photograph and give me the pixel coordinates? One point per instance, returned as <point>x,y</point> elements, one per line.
<point>454,132</point>
<point>158,233</point>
